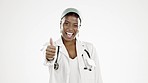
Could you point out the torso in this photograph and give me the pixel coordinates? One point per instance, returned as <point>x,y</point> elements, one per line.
<point>74,71</point>
<point>71,49</point>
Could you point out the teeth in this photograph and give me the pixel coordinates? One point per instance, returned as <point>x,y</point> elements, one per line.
<point>69,34</point>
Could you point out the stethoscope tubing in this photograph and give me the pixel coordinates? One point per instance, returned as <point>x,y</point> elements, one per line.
<point>56,65</point>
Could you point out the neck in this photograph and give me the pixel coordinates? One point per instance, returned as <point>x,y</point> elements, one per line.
<point>68,43</point>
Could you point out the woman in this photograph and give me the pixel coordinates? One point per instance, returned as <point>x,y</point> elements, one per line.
<point>70,60</point>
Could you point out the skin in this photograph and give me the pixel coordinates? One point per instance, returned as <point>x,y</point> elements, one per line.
<point>68,24</point>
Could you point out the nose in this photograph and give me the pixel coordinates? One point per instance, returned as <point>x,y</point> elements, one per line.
<point>71,26</point>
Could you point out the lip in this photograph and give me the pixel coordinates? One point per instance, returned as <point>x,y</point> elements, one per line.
<point>69,34</point>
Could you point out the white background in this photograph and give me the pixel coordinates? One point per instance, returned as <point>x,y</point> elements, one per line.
<point>117,28</point>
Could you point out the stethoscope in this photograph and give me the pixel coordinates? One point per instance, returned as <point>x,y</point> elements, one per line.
<point>56,64</point>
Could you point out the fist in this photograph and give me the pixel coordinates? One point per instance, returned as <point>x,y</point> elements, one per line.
<point>50,50</point>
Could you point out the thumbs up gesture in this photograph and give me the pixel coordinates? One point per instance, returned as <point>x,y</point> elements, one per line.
<point>50,51</point>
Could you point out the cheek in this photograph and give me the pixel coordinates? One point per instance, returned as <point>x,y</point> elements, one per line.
<point>76,30</point>
<point>62,28</point>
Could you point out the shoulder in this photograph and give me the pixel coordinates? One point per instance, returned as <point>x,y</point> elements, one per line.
<point>90,48</point>
<point>88,45</point>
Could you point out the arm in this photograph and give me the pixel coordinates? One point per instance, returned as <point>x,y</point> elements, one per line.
<point>49,53</point>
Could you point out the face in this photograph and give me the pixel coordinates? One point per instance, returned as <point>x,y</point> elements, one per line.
<point>69,27</point>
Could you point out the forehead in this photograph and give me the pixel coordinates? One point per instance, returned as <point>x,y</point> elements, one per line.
<point>71,19</point>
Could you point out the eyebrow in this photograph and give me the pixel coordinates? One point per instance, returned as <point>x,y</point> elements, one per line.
<point>70,22</point>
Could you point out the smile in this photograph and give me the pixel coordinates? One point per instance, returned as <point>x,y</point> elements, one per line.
<point>69,34</point>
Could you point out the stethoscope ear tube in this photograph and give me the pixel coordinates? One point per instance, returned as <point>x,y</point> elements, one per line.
<point>56,65</point>
<point>87,53</point>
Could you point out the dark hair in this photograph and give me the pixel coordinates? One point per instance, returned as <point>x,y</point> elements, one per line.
<point>72,14</point>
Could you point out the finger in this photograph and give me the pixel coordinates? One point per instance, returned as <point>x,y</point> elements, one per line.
<point>50,50</point>
<point>51,42</point>
<point>48,56</point>
<point>51,47</point>
<point>50,53</point>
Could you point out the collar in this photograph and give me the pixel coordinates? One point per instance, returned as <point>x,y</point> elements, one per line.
<point>79,47</point>
<point>59,42</point>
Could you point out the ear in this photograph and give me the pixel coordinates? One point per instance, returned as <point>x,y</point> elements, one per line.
<point>61,26</point>
<point>60,22</point>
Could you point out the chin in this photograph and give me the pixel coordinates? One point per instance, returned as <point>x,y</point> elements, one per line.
<point>68,39</point>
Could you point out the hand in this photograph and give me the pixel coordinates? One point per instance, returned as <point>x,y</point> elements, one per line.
<point>50,51</point>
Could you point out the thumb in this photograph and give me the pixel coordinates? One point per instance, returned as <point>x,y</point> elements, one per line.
<point>51,41</point>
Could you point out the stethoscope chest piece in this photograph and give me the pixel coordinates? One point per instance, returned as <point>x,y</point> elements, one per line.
<point>88,62</point>
<point>56,66</point>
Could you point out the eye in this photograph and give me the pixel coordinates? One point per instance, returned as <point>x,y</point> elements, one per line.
<point>75,25</point>
<point>66,23</point>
